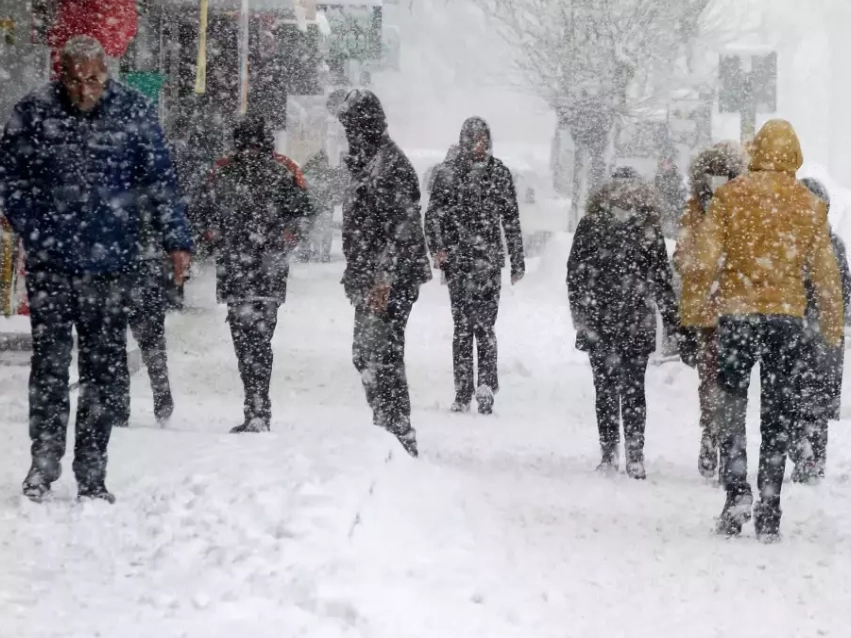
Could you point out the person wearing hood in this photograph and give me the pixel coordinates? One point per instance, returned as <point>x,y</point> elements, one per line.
<point>821,375</point>
<point>386,258</point>
<point>762,232</point>
<point>473,202</point>
<point>698,315</point>
<point>260,211</point>
<point>618,274</point>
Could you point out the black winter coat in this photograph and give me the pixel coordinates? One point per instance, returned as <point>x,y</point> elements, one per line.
<point>821,377</point>
<point>618,268</point>
<point>383,239</point>
<point>470,207</point>
<point>256,203</point>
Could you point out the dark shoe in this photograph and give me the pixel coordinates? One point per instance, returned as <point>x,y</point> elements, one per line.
<point>635,469</point>
<point>707,462</point>
<point>609,463</point>
<point>460,406</point>
<point>43,472</point>
<point>484,397</point>
<point>95,493</point>
<point>409,442</point>
<point>767,522</point>
<point>736,512</point>
<point>252,425</point>
<point>163,407</point>
<point>36,490</point>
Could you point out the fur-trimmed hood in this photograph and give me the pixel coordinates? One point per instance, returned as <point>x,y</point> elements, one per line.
<point>726,159</point>
<point>634,195</point>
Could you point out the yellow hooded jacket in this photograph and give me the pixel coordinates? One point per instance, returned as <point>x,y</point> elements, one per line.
<point>762,230</point>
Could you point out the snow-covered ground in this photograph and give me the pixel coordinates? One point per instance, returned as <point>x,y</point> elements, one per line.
<point>324,528</point>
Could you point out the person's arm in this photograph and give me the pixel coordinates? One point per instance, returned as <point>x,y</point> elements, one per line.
<point>157,176</point>
<point>16,182</point>
<point>398,207</point>
<point>661,278</point>
<point>437,209</point>
<point>844,272</point>
<point>709,241</point>
<point>580,276</point>
<point>298,210</point>
<point>824,275</point>
<point>510,213</point>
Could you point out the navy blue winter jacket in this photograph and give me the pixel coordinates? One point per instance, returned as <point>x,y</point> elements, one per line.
<point>71,183</point>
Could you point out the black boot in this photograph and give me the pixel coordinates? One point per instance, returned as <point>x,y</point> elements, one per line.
<point>257,424</point>
<point>635,465</point>
<point>609,462</point>
<point>163,406</point>
<point>767,521</point>
<point>96,492</point>
<point>736,512</point>
<point>484,397</point>
<point>42,474</point>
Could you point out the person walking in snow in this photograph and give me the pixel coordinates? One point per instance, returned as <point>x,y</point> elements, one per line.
<point>698,314</point>
<point>75,158</point>
<point>762,232</point>
<point>617,270</point>
<point>672,193</point>
<point>146,312</point>
<point>260,211</point>
<point>820,387</point>
<point>324,187</point>
<point>386,258</point>
<point>472,203</point>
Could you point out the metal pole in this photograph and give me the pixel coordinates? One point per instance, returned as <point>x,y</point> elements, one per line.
<point>201,70</point>
<point>243,56</point>
<point>748,131</point>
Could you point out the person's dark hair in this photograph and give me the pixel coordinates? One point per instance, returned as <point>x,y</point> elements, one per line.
<point>818,189</point>
<point>626,172</point>
<point>252,133</point>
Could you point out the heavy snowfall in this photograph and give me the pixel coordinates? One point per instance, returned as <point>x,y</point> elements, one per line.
<point>374,485</point>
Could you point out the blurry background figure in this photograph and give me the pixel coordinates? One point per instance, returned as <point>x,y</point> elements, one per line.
<point>671,190</point>
<point>820,388</point>
<point>325,187</point>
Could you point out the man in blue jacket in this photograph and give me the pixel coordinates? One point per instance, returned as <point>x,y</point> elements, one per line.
<point>75,159</point>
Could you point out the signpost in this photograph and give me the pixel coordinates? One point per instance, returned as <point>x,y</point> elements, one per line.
<point>748,86</point>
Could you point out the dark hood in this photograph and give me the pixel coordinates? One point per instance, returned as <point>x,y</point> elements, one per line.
<point>633,195</point>
<point>725,159</point>
<point>251,133</point>
<point>365,123</point>
<point>469,131</point>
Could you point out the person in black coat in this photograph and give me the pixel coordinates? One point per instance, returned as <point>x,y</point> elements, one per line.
<point>820,377</point>
<point>323,185</point>
<point>473,201</point>
<point>260,210</point>
<point>386,258</point>
<point>617,270</point>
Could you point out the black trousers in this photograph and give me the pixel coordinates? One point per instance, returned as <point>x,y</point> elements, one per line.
<point>378,352</point>
<point>475,305</point>
<point>619,386</point>
<point>96,307</point>
<point>146,315</point>
<point>252,326</point>
<point>775,343</point>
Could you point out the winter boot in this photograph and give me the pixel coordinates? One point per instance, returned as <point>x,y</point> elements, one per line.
<point>460,406</point>
<point>635,465</point>
<point>256,424</point>
<point>42,474</point>
<point>408,439</point>
<point>609,462</point>
<point>802,456</point>
<point>163,406</point>
<point>484,397</point>
<point>736,512</point>
<point>767,522</point>
<point>96,492</point>
<point>707,462</point>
